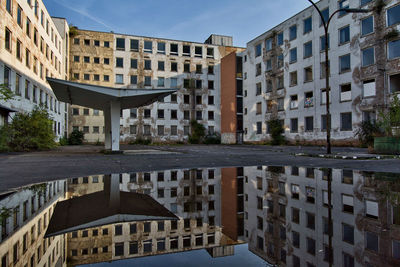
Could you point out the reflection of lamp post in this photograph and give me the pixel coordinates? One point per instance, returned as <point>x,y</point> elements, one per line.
<point>326,25</point>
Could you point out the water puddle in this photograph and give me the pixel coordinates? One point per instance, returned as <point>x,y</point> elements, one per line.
<point>254,216</point>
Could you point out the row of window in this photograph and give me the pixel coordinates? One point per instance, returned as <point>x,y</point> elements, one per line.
<point>49,30</point>
<point>160,47</point>
<point>161,129</point>
<point>24,87</point>
<point>119,63</point>
<point>345,124</point>
<point>30,60</point>
<point>367,27</point>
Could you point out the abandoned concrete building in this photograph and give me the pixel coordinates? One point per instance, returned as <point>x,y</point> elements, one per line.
<point>125,61</point>
<point>33,46</point>
<point>232,91</point>
<point>284,76</point>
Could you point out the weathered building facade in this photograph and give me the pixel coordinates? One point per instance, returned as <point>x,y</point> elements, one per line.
<point>33,47</point>
<point>130,62</point>
<point>284,74</point>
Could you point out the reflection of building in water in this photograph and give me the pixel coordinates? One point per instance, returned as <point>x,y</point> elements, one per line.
<point>24,218</point>
<point>286,218</point>
<point>193,195</point>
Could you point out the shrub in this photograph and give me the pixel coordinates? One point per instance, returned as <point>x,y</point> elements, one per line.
<point>140,141</point>
<point>212,139</point>
<point>76,138</point>
<point>31,131</point>
<point>63,141</point>
<point>276,131</point>
<point>389,121</point>
<point>366,133</point>
<point>4,138</point>
<point>197,133</point>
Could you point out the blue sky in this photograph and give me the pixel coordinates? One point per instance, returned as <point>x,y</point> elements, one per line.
<point>178,19</point>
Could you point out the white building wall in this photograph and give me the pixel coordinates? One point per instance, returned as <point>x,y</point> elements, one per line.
<point>336,78</point>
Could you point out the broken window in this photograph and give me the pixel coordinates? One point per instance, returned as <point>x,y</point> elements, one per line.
<point>210,52</point>
<point>268,44</point>
<point>311,246</point>
<point>394,49</point>
<point>269,86</point>
<point>346,121</point>
<point>147,80</point>
<point>134,45</point>
<point>345,92</point>
<point>211,69</point>
<point>119,62</point>
<point>293,55</point>
<point>258,50</point>
<point>174,130</point>
<point>393,15</point>
<point>120,44</point>
<point>280,61</point>
<point>133,63</point>
<point>268,65</point>
<point>281,104</point>
<point>161,48</point>
<point>295,189</point>
<point>160,130</point>
<point>199,69</point>
<point>294,103</point>
<point>279,38</point>
<point>344,35</point>
<point>310,220</point>
<point>308,49</point>
<point>309,124</point>
<point>394,81</point>
<point>347,203</point>
<point>322,43</point>
<point>258,108</point>
<point>367,25</point>
<point>199,115</point>
<point>293,78</point>
<point>258,88</point>
<point>344,63</point>
<point>371,209</point>
<point>269,105</point>
<point>198,51</point>
<point>174,66</point>
<point>146,129</point>
<point>307,25</point>
<point>147,64</point>
<point>210,84</point>
<point>292,32</point>
<point>211,100</point>
<point>308,99</point>
<point>174,49</point>
<point>259,127</point>
<point>199,99</point>
<point>258,69</point>
<point>148,47</point>
<point>310,194</point>
<point>369,88</point>
<point>372,241</point>
<point>133,79</point>
<point>186,50</point>
<point>368,56</point>
<point>199,84</point>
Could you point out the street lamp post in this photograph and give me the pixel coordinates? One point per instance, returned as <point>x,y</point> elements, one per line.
<point>327,72</point>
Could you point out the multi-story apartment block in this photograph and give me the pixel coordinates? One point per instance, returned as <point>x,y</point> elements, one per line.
<point>284,74</point>
<point>286,216</point>
<point>25,216</point>
<point>130,62</point>
<point>33,47</point>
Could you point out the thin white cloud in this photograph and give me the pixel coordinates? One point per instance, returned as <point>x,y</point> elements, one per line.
<point>82,11</point>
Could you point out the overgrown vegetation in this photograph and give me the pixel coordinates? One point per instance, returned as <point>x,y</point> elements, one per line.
<point>212,139</point>
<point>366,133</point>
<point>28,132</point>
<point>140,141</point>
<point>276,131</point>
<point>73,31</point>
<point>197,134</point>
<point>76,138</point>
<point>392,34</point>
<point>379,5</point>
<point>390,120</point>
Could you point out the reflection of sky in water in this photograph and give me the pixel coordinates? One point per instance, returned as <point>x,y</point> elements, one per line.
<point>242,257</point>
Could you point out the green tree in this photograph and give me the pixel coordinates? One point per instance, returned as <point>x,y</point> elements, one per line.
<point>276,131</point>
<point>390,119</point>
<point>31,131</point>
<point>5,93</point>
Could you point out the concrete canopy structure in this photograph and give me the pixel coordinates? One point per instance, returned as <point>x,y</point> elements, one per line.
<point>110,100</point>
